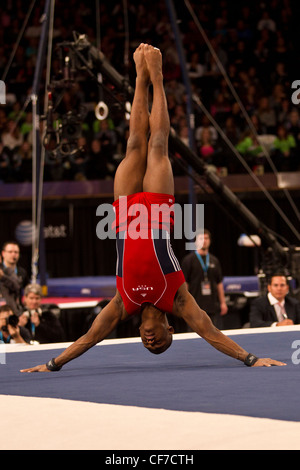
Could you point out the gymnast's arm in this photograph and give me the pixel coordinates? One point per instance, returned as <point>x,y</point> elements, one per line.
<point>186,307</point>
<point>103,325</point>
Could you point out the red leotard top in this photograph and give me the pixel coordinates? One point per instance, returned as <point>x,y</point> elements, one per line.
<point>147,269</point>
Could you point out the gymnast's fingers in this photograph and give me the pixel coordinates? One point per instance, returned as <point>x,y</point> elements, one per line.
<point>267,362</point>
<point>40,368</point>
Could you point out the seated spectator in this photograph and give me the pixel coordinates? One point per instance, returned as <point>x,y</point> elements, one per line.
<point>206,147</point>
<point>26,126</point>
<point>277,307</point>
<point>266,22</point>
<point>242,54</point>
<point>183,133</point>
<point>42,324</point>
<point>17,113</point>
<point>231,130</point>
<point>205,124</point>
<point>257,125</point>
<point>224,159</point>
<point>96,165</point>
<point>176,89</point>
<point>10,331</point>
<point>284,147</point>
<point>12,137</point>
<point>108,138</point>
<point>284,114</point>
<point>292,124</point>
<point>280,76</point>
<point>277,98</point>
<point>250,99</point>
<point>266,115</point>
<point>25,153</point>
<point>261,54</point>
<point>250,149</point>
<point>177,117</point>
<point>220,109</point>
<point>5,167</point>
<point>3,120</point>
<point>195,69</point>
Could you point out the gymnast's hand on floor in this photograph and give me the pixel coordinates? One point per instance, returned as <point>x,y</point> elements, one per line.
<point>40,368</point>
<point>267,362</point>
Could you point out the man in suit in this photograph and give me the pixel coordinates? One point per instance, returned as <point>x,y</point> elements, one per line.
<point>276,308</point>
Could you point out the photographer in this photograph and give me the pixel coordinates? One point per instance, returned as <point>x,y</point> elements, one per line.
<point>42,324</point>
<point>10,331</point>
<point>13,277</point>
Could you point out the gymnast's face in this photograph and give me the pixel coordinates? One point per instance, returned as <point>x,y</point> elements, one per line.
<point>156,333</point>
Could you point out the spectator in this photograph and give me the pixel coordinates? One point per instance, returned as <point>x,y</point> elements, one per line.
<point>41,322</point>
<point>3,120</point>
<point>284,147</point>
<point>280,53</point>
<point>231,130</point>
<point>250,99</point>
<point>252,41</point>
<point>12,137</point>
<point>250,148</point>
<point>26,126</point>
<point>284,114</point>
<point>280,76</point>
<point>292,125</point>
<point>277,98</point>
<point>5,167</point>
<point>10,331</point>
<point>108,138</point>
<point>25,153</point>
<point>277,307</point>
<point>266,115</point>
<point>177,117</point>
<point>206,147</point>
<point>195,69</point>
<point>261,56</point>
<point>183,132</point>
<point>13,277</point>
<point>97,161</point>
<point>241,55</point>
<point>205,124</point>
<point>220,109</point>
<point>266,22</point>
<point>222,55</point>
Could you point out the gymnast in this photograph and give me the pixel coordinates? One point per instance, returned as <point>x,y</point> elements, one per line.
<point>149,280</point>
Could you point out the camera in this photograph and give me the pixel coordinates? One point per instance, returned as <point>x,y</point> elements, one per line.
<point>71,127</point>
<point>12,320</point>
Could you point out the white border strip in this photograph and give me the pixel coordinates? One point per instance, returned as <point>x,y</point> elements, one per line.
<point>10,348</point>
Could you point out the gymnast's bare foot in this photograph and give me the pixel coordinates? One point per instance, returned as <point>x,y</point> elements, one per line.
<point>153,59</point>
<point>140,64</point>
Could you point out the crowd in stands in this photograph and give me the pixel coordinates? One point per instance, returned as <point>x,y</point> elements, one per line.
<point>253,42</point>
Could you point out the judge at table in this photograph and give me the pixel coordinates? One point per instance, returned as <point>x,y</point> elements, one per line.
<point>277,307</point>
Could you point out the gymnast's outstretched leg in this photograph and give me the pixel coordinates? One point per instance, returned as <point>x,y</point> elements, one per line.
<point>131,171</point>
<point>159,174</point>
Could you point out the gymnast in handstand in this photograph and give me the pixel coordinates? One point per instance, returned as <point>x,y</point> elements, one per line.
<point>150,282</point>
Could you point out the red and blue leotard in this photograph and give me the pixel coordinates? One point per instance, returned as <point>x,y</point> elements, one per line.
<point>147,269</point>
